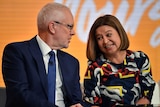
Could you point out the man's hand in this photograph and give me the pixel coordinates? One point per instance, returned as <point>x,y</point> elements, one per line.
<point>77,105</point>
<point>143,101</point>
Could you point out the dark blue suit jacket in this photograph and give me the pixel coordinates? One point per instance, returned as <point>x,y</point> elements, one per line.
<point>26,80</point>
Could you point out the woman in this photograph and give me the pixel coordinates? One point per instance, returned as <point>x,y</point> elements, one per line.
<point>115,75</point>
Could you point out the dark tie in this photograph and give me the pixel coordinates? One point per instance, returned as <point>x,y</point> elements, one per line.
<point>51,77</point>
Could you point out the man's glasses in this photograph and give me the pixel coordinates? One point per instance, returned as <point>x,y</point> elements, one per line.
<point>70,27</point>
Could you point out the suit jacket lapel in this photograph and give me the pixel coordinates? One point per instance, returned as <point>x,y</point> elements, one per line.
<point>61,61</point>
<point>63,64</point>
<point>37,55</point>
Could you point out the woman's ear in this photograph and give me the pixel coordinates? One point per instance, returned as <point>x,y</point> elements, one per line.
<point>51,27</point>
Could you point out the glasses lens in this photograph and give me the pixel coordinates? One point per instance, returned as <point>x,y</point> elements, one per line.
<point>70,27</point>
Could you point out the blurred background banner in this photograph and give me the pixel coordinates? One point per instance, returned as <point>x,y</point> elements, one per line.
<point>140,18</point>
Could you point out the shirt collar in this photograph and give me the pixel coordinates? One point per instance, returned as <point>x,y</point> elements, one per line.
<point>45,49</point>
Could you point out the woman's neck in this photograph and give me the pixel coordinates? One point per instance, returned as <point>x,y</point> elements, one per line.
<point>117,58</point>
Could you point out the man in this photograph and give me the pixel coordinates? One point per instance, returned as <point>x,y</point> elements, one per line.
<point>25,64</point>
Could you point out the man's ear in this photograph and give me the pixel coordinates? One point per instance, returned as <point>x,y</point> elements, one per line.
<point>51,27</point>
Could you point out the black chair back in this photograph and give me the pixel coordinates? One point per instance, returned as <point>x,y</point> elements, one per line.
<point>2,96</point>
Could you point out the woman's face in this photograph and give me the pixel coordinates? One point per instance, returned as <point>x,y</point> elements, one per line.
<point>108,40</point>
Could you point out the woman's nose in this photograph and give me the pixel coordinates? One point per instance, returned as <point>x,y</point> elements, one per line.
<point>105,39</point>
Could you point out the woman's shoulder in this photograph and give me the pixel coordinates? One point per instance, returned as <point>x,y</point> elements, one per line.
<point>97,63</point>
<point>136,54</point>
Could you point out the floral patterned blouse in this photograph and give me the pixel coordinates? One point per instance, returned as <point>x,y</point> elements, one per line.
<point>107,84</point>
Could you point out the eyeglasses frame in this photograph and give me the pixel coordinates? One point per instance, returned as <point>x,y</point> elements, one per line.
<point>68,26</point>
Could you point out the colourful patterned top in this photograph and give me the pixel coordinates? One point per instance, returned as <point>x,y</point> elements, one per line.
<point>109,84</point>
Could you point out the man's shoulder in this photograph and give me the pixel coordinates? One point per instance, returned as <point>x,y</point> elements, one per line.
<point>19,43</point>
<point>66,54</point>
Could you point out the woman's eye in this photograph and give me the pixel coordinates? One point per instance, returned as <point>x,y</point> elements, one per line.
<point>109,35</point>
<point>99,38</point>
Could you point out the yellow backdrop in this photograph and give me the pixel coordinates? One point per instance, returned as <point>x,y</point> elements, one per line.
<point>140,18</point>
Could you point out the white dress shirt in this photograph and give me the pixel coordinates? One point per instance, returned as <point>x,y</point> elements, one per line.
<point>45,49</point>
